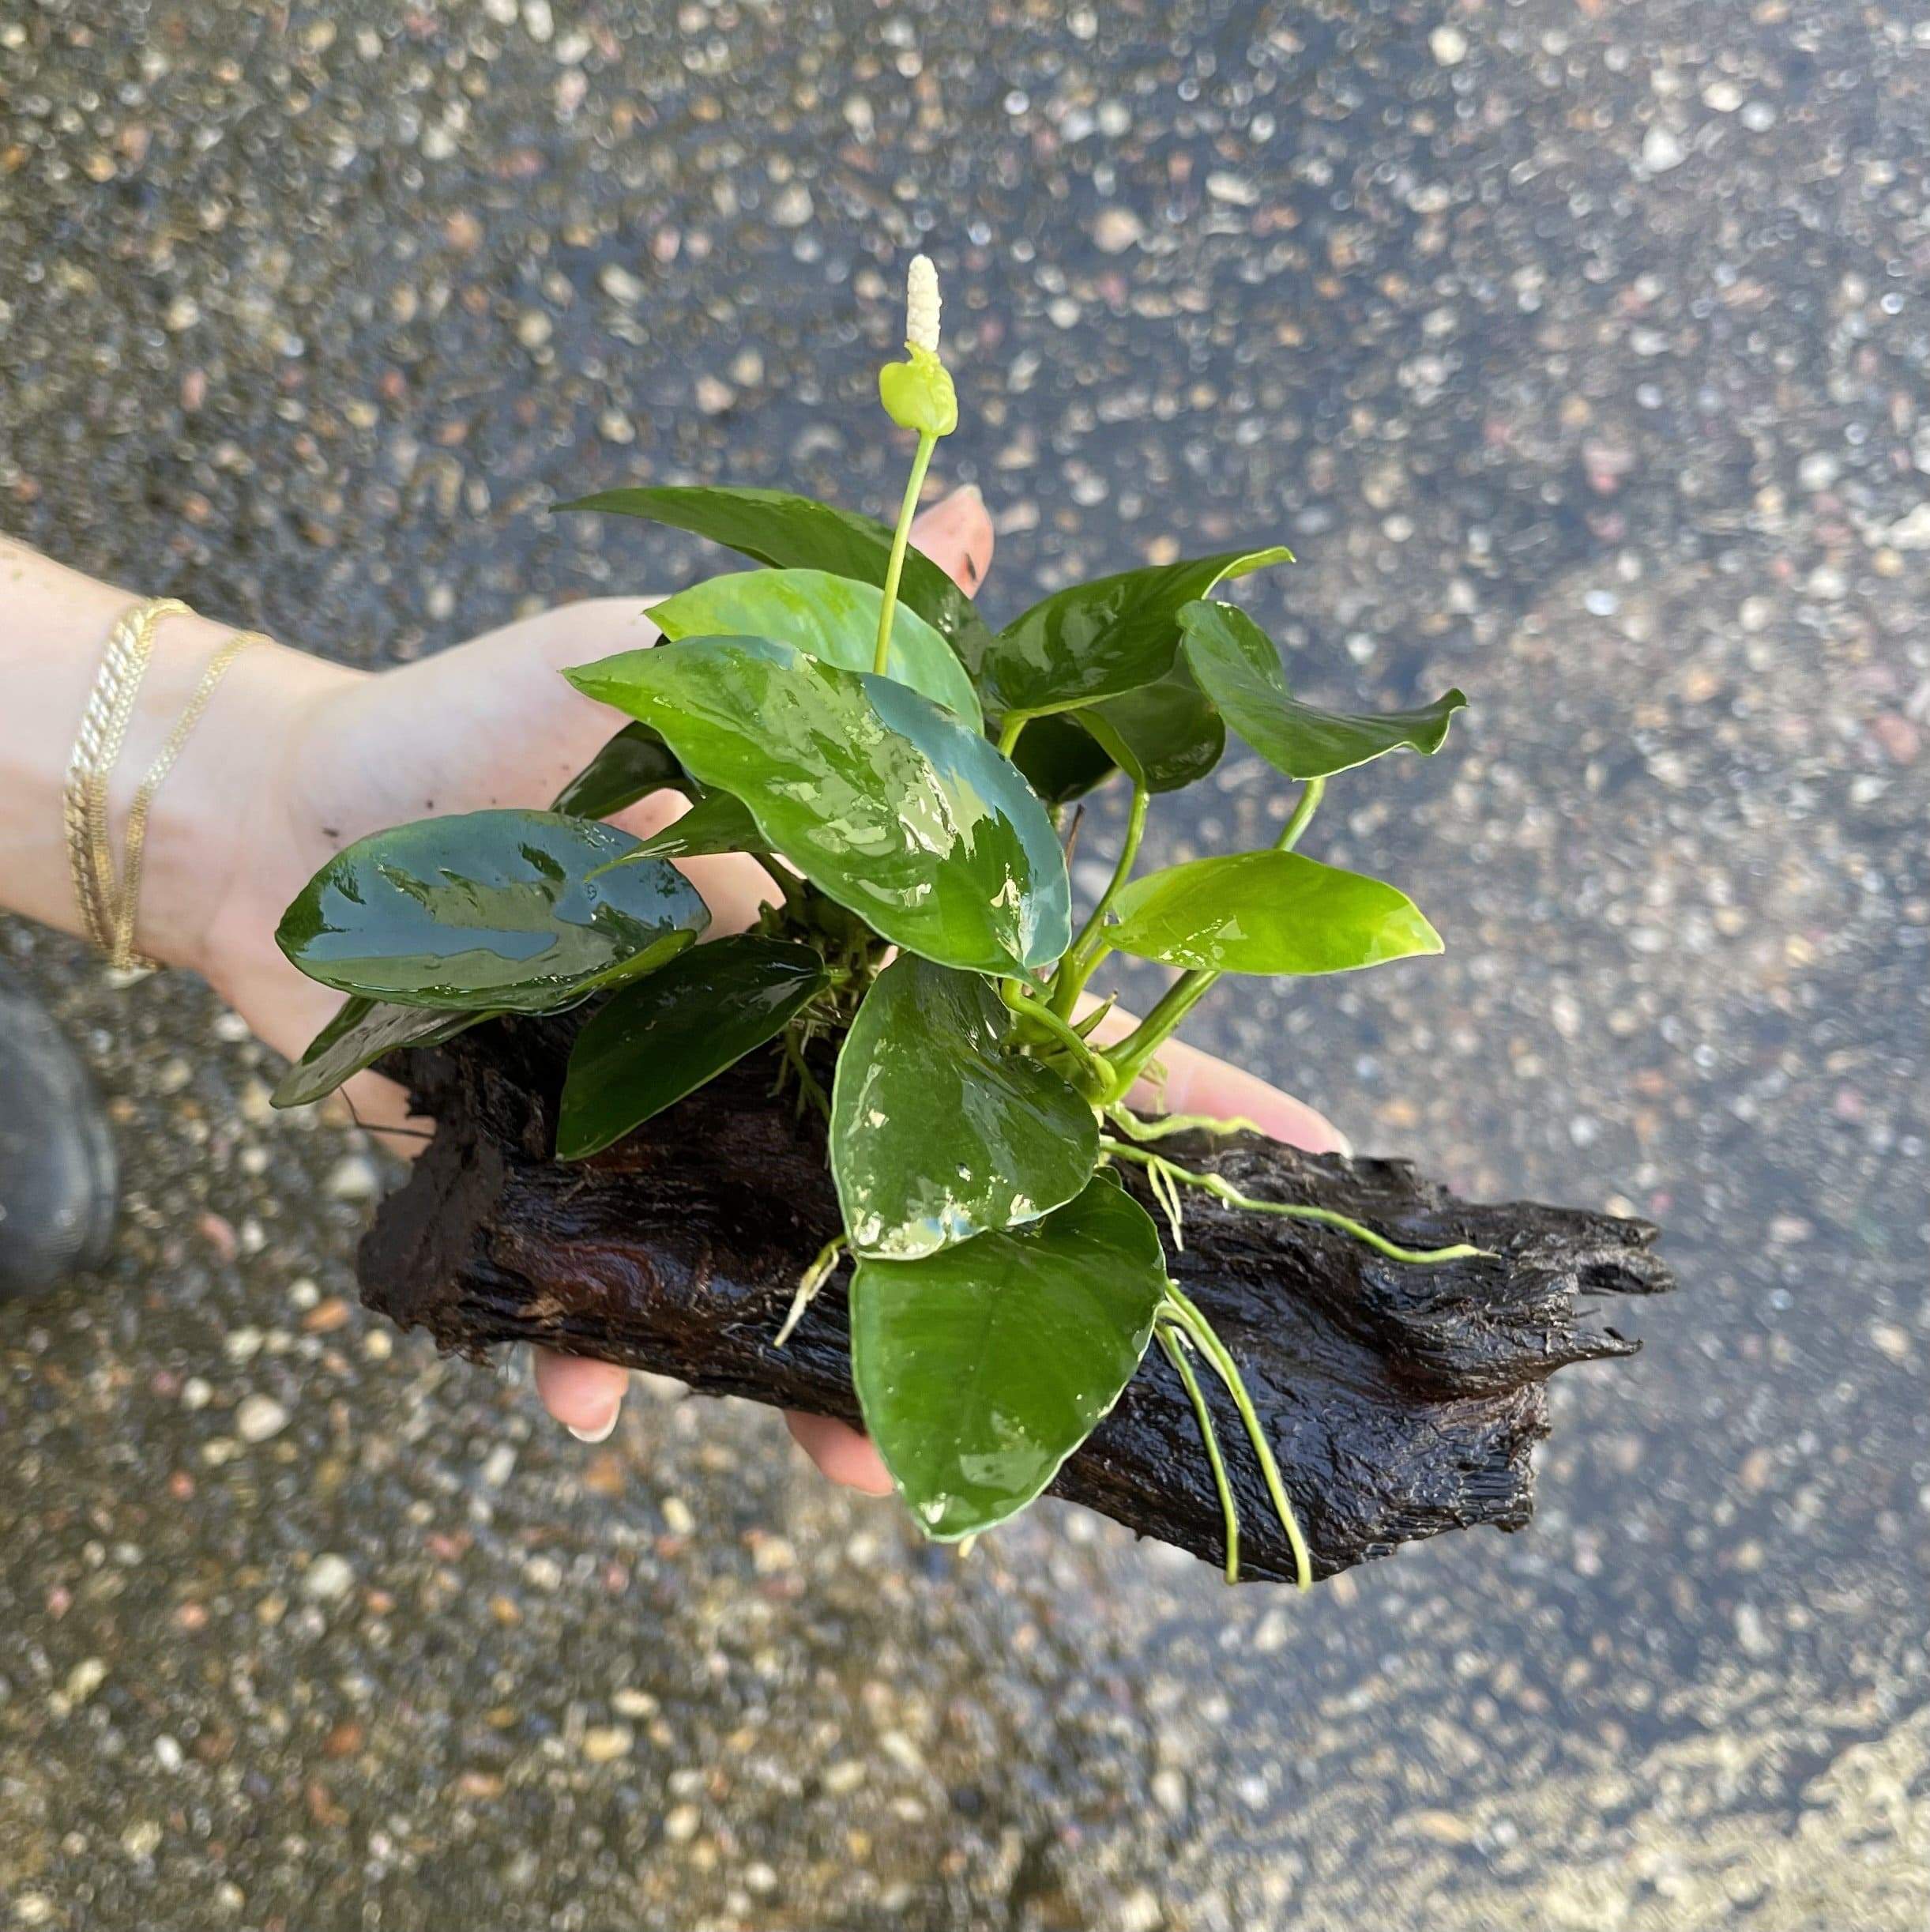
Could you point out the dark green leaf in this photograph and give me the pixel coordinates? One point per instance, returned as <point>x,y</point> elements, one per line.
<point>1095,640</point>
<point>1166,734</point>
<point>881,799</point>
<point>834,618</point>
<point>938,1132</point>
<point>791,532</point>
<point>488,909</point>
<point>634,764</point>
<point>1236,662</point>
<point>717,823</point>
<point>358,1036</point>
<point>664,1037</point>
<point>1060,761</point>
<point>1268,912</point>
<point>981,1368</point>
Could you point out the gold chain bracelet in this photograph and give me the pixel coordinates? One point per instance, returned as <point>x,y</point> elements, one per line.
<point>108,904</point>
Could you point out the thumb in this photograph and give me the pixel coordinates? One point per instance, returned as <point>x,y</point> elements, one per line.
<point>956,534</point>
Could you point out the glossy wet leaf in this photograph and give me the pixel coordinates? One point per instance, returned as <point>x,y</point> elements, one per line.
<point>634,764</point>
<point>1238,667</point>
<point>938,1132</point>
<point>1268,912</point>
<point>488,909</point>
<point>662,1037</point>
<point>357,1036</point>
<point>1166,733</point>
<point>795,533</point>
<point>981,1368</point>
<point>883,801</point>
<point>1095,640</point>
<point>834,618</point>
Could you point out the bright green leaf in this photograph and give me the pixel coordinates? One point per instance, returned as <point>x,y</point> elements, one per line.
<point>634,764</point>
<point>882,801</point>
<point>938,1133</point>
<point>981,1368</point>
<point>510,910</point>
<point>791,533</point>
<point>1237,665</point>
<point>1095,640</point>
<point>358,1036</point>
<point>1268,912</point>
<point>656,1041</point>
<point>834,618</point>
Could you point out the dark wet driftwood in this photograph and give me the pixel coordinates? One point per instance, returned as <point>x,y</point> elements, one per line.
<point>1401,1400</point>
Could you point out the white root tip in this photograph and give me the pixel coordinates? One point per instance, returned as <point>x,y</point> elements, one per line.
<point>921,304</point>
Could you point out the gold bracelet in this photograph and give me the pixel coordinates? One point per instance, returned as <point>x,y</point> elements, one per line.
<point>108,904</point>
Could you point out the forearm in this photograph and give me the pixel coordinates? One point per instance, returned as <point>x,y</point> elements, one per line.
<point>53,628</point>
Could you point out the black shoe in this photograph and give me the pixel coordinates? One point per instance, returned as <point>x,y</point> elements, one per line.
<point>58,1182</point>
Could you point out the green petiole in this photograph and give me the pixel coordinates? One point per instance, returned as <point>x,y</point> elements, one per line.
<point>900,541</point>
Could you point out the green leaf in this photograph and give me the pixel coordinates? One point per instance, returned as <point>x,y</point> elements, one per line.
<point>501,909</point>
<point>1267,911</point>
<point>1166,734</point>
<point>981,1368</point>
<point>938,1133</point>
<point>662,1037</point>
<point>834,618</point>
<point>791,533</point>
<point>358,1036</point>
<point>634,764</point>
<point>1060,761</point>
<point>885,802</point>
<point>1236,663</point>
<point>1095,640</point>
<point>717,823</point>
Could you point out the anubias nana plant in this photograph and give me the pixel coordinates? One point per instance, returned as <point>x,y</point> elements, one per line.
<point>845,713</point>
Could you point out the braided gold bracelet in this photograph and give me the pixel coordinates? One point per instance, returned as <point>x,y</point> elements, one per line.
<point>108,904</point>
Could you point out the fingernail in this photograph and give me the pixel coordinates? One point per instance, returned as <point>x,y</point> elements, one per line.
<point>1342,1146</point>
<point>971,490</point>
<point>594,1435</point>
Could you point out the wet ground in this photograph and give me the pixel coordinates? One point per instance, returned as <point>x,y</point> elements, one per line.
<point>1578,349</point>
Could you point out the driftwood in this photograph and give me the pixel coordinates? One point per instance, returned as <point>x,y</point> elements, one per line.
<point>1401,1400</point>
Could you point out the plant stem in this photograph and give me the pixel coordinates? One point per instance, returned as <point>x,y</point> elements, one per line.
<point>1130,1057</point>
<point>1201,1332</point>
<point>901,538</point>
<point>1222,1190</point>
<point>1173,1339</point>
<point>1309,804</point>
<point>1089,947</point>
<point>1019,995</point>
<point>1190,988</point>
<point>1015,722</point>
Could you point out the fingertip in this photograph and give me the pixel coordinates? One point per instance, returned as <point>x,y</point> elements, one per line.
<point>956,533</point>
<point>1197,1083</point>
<point>585,1396</point>
<point>844,1454</point>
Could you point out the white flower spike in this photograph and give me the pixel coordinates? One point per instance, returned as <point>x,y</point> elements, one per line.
<point>921,304</point>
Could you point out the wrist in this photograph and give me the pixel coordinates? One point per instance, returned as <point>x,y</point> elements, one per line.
<point>224,797</point>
